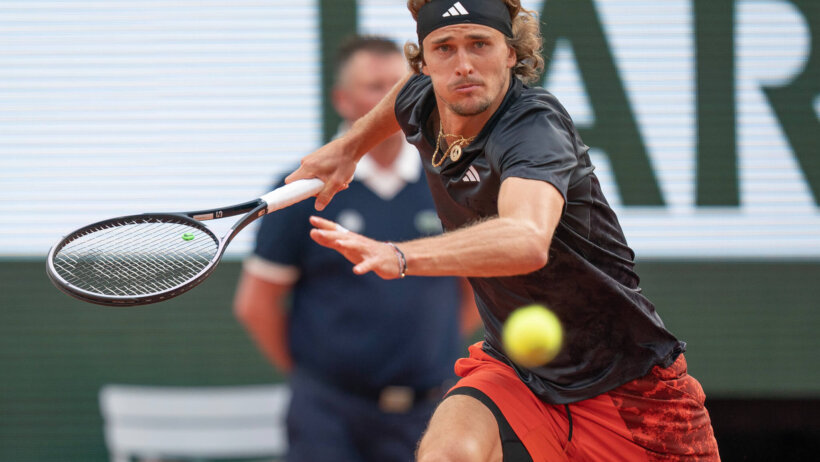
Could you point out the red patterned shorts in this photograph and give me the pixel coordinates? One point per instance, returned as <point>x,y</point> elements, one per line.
<point>657,417</point>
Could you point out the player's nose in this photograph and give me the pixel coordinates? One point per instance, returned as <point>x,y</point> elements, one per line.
<point>463,63</point>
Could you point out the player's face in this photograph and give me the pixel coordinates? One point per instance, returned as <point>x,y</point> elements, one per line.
<point>365,80</point>
<point>469,65</point>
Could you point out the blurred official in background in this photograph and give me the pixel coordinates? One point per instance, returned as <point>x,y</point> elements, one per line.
<point>368,359</point>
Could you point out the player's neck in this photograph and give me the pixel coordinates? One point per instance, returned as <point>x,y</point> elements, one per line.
<point>465,126</point>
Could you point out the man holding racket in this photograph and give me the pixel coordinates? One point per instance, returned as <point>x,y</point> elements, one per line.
<point>527,222</point>
<point>358,395</point>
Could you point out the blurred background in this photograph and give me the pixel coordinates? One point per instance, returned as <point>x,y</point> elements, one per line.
<point>703,117</point>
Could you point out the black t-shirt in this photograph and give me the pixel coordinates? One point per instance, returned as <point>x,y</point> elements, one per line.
<point>612,333</point>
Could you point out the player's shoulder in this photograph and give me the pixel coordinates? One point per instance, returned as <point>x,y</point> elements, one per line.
<point>532,110</point>
<point>416,82</point>
<point>414,101</point>
<point>415,89</point>
<point>535,102</point>
<point>531,120</point>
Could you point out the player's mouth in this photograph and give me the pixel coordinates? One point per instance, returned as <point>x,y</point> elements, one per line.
<point>466,87</point>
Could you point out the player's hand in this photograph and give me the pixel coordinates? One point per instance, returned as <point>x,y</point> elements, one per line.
<point>365,253</point>
<point>332,164</point>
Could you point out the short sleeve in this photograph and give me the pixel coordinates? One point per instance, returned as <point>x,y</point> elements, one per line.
<point>413,103</point>
<point>282,234</point>
<point>536,145</point>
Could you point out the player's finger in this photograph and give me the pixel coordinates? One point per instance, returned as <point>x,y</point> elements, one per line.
<point>323,238</point>
<point>323,199</point>
<point>328,191</point>
<point>300,173</point>
<point>326,194</point>
<point>297,175</point>
<point>333,185</point>
<point>335,239</point>
<point>323,223</point>
<point>364,267</point>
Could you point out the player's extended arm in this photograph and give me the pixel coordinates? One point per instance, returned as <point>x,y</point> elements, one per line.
<point>515,242</point>
<point>335,162</point>
<point>259,306</point>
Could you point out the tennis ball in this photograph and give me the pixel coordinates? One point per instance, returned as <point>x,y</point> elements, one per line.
<point>532,336</point>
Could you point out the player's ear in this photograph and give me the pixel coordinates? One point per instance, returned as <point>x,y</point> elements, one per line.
<point>511,57</point>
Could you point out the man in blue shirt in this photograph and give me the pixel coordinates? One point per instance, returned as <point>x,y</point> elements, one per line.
<point>367,359</point>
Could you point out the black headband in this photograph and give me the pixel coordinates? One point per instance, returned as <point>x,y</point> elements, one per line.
<point>440,13</point>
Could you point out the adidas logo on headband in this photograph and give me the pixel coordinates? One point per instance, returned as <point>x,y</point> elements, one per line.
<point>442,13</point>
<point>456,10</point>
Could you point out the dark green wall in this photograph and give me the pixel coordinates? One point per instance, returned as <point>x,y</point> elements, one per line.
<point>750,328</point>
<point>337,22</point>
<point>56,353</point>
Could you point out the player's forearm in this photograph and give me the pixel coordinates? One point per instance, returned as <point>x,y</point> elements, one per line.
<point>496,247</point>
<point>517,242</point>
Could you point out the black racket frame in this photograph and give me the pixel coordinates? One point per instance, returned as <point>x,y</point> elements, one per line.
<point>252,210</point>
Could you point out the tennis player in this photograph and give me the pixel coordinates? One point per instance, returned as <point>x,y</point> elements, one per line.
<point>527,222</point>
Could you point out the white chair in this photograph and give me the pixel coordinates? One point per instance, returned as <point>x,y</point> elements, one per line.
<point>160,423</point>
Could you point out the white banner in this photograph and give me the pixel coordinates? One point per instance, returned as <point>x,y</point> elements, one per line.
<point>112,108</point>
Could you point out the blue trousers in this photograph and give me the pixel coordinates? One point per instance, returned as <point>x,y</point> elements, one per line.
<point>325,423</point>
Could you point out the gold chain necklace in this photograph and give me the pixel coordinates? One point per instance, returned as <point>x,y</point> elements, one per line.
<point>453,150</point>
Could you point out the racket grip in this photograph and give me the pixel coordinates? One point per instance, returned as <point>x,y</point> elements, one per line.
<point>292,193</point>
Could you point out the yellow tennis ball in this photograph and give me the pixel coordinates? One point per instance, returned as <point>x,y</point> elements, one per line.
<point>532,336</point>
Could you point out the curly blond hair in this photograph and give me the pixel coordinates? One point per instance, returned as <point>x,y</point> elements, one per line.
<point>526,41</point>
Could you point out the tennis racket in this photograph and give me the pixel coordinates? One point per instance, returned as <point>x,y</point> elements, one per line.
<point>142,259</point>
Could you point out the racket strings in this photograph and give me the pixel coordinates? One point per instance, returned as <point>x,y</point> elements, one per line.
<point>133,258</point>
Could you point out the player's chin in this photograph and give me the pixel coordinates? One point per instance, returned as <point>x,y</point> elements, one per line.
<point>470,106</point>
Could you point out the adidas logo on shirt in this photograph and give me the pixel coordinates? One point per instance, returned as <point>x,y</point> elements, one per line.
<point>471,175</point>
<point>456,10</point>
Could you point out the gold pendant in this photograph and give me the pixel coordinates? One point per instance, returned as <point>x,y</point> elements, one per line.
<point>455,153</point>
